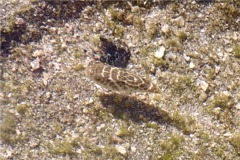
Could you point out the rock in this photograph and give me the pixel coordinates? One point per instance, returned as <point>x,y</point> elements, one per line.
<point>202,97</point>
<point>160,52</point>
<point>227,93</point>
<point>234,36</point>
<point>200,15</point>
<point>35,64</point>
<point>191,65</point>
<point>133,149</point>
<point>64,45</point>
<point>34,142</point>
<point>48,50</point>
<point>203,85</point>
<point>238,106</point>
<point>217,69</point>
<point>193,54</point>
<point>48,94</point>
<point>85,111</point>
<point>171,56</point>
<point>76,96</point>
<point>38,53</point>
<point>53,30</point>
<point>165,28</point>
<point>227,134</point>
<point>56,65</point>
<point>179,21</point>
<point>121,149</point>
<point>229,50</point>
<point>101,126</point>
<point>20,21</point>
<point>187,58</point>
<point>45,78</point>
<point>217,110</point>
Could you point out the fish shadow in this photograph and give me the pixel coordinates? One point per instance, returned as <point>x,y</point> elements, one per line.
<point>130,108</point>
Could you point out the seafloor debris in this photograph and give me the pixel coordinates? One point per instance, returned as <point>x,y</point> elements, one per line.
<point>35,64</point>
<point>118,79</point>
<point>112,54</point>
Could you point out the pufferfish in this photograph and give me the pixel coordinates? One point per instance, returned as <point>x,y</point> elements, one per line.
<point>118,79</point>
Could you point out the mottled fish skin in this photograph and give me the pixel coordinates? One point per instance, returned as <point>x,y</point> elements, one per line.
<point>113,78</point>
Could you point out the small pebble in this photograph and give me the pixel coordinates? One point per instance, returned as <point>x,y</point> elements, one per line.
<point>76,96</point>
<point>56,65</point>
<point>217,69</point>
<point>133,149</point>
<point>203,85</point>
<point>45,78</point>
<point>238,106</point>
<point>53,30</point>
<point>191,65</point>
<point>38,53</point>
<point>187,58</point>
<point>235,37</point>
<point>227,134</point>
<point>165,28</point>
<point>121,149</point>
<point>19,21</point>
<point>179,21</point>
<point>64,45</point>
<point>193,54</point>
<point>34,142</point>
<point>217,110</point>
<point>229,50</point>
<point>191,135</point>
<point>35,64</point>
<point>202,97</point>
<point>85,111</point>
<point>160,52</point>
<point>48,94</point>
<point>100,127</point>
<point>227,93</point>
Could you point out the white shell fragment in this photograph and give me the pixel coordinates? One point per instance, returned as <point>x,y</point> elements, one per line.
<point>191,65</point>
<point>35,64</point>
<point>160,52</point>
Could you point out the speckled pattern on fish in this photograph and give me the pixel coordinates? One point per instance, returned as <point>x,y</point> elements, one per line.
<point>117,79</point>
